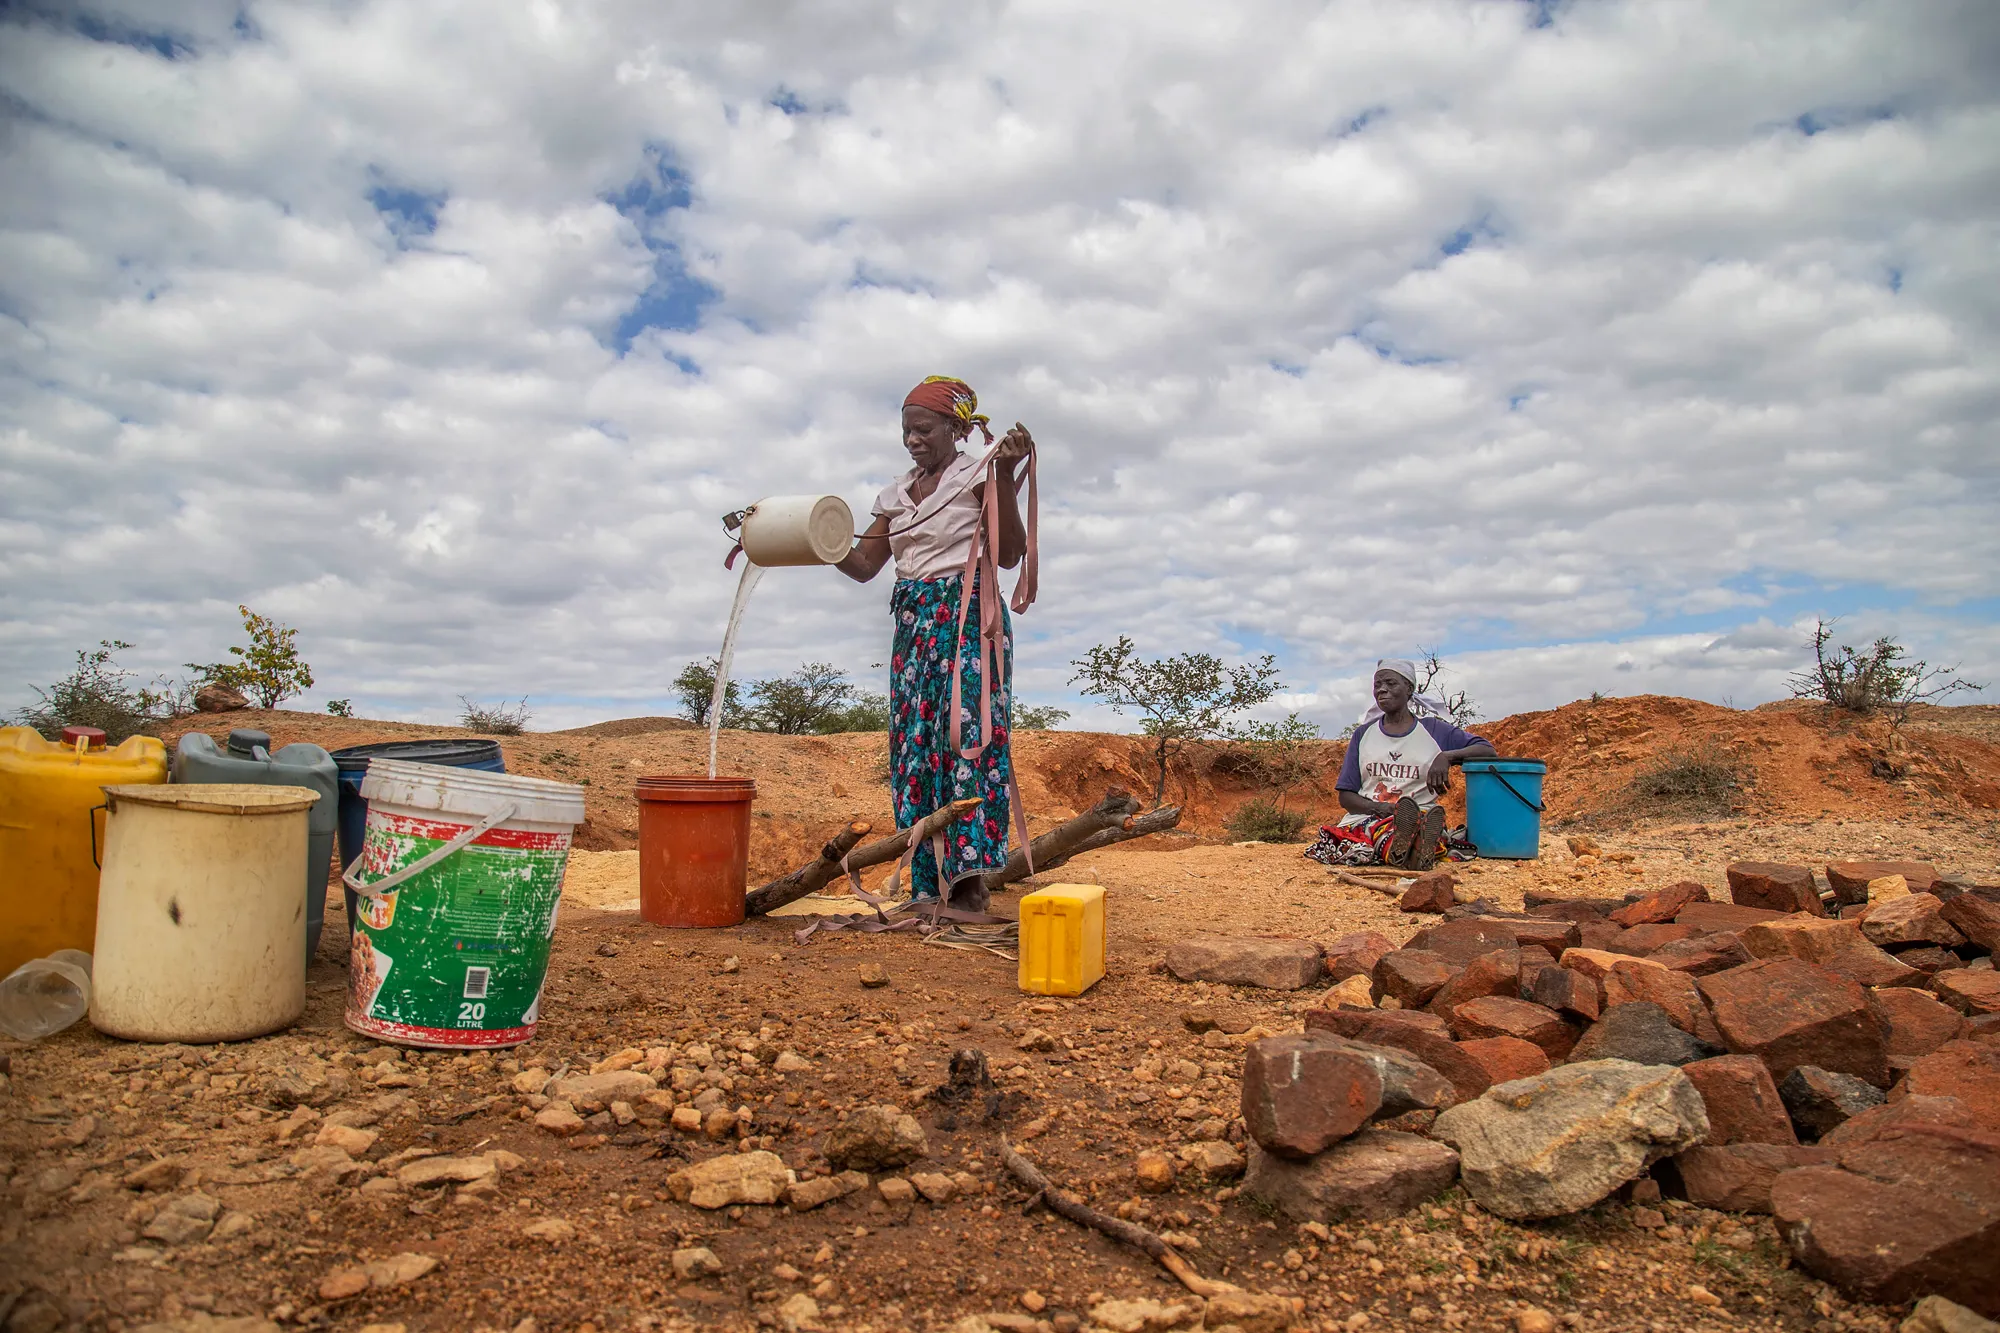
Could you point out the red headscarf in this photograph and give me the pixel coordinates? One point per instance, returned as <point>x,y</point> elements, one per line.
<point>952,398</point>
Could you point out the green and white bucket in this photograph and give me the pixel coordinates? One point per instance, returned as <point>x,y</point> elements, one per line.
<point>459,878</point>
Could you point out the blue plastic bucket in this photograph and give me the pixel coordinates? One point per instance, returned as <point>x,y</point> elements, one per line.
<point>353,765</point>
<point>1503,807</point>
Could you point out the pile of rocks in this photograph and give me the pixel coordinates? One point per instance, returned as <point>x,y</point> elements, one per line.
<point>1831,1057</point>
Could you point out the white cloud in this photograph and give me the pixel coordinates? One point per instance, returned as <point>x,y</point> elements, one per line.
<point>1597,353</point>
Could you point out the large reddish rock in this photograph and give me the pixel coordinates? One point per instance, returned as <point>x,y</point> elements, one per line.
<point>1971,991</point>
<point>1416,1033</point>
<point>1574,910</point>
<point>1355,954</point>
<point>1411,976</point>
<point>1376,1175</point>
<point>1930,959</point>
<point>1774,886</point>
<point>1662,905</point>
<point>1725,916</point>
<point>1640,941</point>
<point>1554,936</point>
<point>1735,1177</point>
<point>1812,939</point>
<point>1459,942</point>
<point>1597,963</point>
<point>1700,955</point>
<point>1500,1016</point>
<point>1742,1101</point>
<point>1914,918</point>
<point>1429,892</point>
<point>1977,918</point>
<point>1967,1070</point>
<point>1849,879</point>
<point>1675,992</point>
<point>1916,1023</point>
<point>1599,935</point>
<point>1910,1211</point>
<point>1246,960</point>
<point>1788,1013</point>
<point>1867,965</point>
<point>1507,1058</point>
<point>214,698</point>
<point>1571,994</point>
<point>1495,973</point>
<point>1304,1092</point>
<point>1877,1120</point>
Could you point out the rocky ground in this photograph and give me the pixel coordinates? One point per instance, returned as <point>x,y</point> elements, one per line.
<point>317,1179</point>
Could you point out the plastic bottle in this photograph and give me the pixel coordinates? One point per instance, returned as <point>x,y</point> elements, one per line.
<point>45,995</point>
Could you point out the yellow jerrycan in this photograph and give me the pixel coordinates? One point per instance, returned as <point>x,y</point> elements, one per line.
<point>52,831</point>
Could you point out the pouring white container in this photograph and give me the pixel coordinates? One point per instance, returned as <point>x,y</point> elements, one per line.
<point>797,530</point>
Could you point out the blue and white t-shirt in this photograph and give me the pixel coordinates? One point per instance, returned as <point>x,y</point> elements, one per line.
<point>1386,768</point>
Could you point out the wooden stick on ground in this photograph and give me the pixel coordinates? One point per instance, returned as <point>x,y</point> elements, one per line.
<point>1153,821</point>
<point>1361,883</point>
<point>1082,1214</point>
<point>1117,809</point>
<point>808,878</point>
<point>875,853</point>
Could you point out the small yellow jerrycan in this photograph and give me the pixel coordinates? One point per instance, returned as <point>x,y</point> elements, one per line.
<point>52,830</point>
<point>1062,939</point>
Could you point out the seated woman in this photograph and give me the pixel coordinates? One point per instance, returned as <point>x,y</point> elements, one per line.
<point>1398,764</point>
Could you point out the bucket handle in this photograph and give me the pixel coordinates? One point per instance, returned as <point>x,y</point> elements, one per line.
<point>91,815</point>
<point>1496,773</point>
<point>379,888</point>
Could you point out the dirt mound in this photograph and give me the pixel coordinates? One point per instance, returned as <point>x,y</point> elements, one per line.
<point>1802,762</point>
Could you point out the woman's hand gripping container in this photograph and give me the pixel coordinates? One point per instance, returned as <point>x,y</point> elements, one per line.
<point>1503,807</point>
<point>1062,939</point>
<point>459,877</point>
<point>52,833</point>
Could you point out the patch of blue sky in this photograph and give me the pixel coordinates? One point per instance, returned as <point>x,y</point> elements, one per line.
<point>409,214</point>
<point>1367,116</point>
<point>788,102</point>
<point>1544,13</point>
<point>1289,368</point>
<point>1758,599</point>
<point>118,31</point>
<point>1821,119</point>
<point>675,298</point>
<point>1481,230</point>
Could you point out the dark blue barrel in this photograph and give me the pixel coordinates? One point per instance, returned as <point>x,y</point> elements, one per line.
<point>353,765</point>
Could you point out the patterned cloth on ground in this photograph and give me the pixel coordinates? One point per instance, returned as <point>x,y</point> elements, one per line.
<point>1366,844</point>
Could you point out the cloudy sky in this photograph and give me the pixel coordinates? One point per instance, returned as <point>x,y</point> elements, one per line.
<point>1601,346</point>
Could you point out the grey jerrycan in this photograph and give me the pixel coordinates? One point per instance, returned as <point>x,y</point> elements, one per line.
<point>247,757</point>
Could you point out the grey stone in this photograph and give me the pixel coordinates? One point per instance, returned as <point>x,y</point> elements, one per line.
<point>876,1138</point>
<point>1377,1174</point>
<point>1281,964</point>
<point>1935,1314</point>
<point>1561,1141</point>
<point>184,1220</point>
<point>1821,1101</point>
<point>1642,1033</point>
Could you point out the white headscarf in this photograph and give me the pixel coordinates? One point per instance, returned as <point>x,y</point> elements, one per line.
<point>1419,703</point>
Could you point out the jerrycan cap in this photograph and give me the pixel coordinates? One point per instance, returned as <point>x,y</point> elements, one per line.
<point>84,738</point>
<point>248,740</point>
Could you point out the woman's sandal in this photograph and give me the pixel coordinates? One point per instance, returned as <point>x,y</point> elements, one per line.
<point>1409,816</point>
<point>1423,854</point>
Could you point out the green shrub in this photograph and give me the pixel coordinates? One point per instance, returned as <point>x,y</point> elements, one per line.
<point>96,694</point>
<point>269,670</point>
<point>1263,820</point>
<point>1038,717</point>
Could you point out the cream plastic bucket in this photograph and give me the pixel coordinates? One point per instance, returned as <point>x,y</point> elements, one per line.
<point>797,530</point>
<point>201,928</point>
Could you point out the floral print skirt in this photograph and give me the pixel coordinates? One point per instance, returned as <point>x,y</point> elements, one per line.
<point>925,769</point>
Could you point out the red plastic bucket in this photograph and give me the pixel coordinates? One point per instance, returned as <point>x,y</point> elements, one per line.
<point>694,850</point>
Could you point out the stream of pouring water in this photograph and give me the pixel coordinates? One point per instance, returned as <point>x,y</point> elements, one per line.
<point>751,573</point>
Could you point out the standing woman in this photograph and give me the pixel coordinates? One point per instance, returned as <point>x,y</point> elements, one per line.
<point>929,520</point>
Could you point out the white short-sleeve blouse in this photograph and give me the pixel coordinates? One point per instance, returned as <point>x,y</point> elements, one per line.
<point>937,548</point>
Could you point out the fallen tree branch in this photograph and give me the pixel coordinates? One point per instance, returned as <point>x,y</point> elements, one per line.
<point>1360,883</point>
<point>809,878</point>
<point>1153,821</point>
<point>874,854</point>
<point>1067,1205</point>
<point>1116,810</point>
